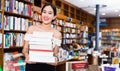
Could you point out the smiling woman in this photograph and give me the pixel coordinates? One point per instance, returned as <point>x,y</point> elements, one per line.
<point>48,14</point>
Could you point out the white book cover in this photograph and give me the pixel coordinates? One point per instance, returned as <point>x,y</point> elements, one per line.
<point>18,24</point>
<point>41,40</point>
<point>23,24</point>
<point>11,39</point>
<point>26,24</point>
<point>36,52</point>
<point>76,66</point>
<point>43,34</point>
<point>42,59</point>
<point>19,9</point>
<point>16,6</point>
<point>0,40</point>
<point>42,47</point>
<point>11,22</point>
<point>40,43</point>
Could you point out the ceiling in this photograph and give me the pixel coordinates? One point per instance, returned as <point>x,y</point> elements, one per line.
<point>108,8</point>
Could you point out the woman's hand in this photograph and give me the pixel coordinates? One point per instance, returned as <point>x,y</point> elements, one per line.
<point>27,60</point>
<point>54,64</point>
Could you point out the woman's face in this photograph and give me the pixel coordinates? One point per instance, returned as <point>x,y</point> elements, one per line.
<point>47,15</point>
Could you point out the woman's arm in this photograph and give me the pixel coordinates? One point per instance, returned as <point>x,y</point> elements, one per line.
<point>58,37</point>
<point>26,44</point>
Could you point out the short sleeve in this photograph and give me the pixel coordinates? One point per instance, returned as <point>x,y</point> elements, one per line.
<point>57,38</point>
<point>28,34</point>
<point>57,42</point>
<point>27,37</point>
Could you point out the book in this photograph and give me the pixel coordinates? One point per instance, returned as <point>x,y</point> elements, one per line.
<point>76,66</point>
<point>41,49</point>
<point>13,61</point>
<point>0,4</point>
<point>0,40</point>
<point>0,21</point>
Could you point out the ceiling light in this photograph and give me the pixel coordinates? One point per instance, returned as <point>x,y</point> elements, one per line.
<point>103,13</point>
<point>94,9</point>
<point>116,10</point>
<point>81,0</point>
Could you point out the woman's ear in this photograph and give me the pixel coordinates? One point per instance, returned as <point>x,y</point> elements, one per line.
<point>54,17</point>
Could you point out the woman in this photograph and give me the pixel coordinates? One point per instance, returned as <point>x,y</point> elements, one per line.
<point>48,14</point>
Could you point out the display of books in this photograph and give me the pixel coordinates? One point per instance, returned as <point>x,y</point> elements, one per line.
<point>76,66</point>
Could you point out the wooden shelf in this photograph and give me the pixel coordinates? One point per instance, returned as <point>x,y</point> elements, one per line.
<point>37,12</point>
<point>66,7</point>
<point>25,1</point>
<point>70,38</point>
<point>37,21</point>
<point>13,48</point>
<point>50,1</point>
<point>58,3</point>
<point>66,13</point>
<point>15,31</point>
<point>1,51</point>
<point>18,15</point>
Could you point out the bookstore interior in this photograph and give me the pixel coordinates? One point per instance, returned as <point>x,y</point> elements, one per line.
<point>90,42</point>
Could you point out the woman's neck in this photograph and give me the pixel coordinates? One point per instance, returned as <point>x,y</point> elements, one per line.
<point>46,26</point>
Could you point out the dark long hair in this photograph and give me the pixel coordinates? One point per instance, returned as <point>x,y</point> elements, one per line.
<point>52,6</point>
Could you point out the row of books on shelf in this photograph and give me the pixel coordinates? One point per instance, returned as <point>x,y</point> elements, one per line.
<point>111,38</point>
<point>15,6</point>
<point>0,40</point>
<point>0,4</point>
<point>84,35</point>
<point>83,41</point>
<point>13,39</point>
<point>0,21</point>
<point>37,17</point>
<point>16,23</point>
<point>85,28</point>
<point>110,41</point>
<point>13,61</point>
<point>111,33</point>
<point>67,24</point>
<point>36,22</point>
<point>69,41</point>
<point>31,1</point>
<point>60,22</point>
<point>70,35</point>
<point>71,30</point>
<point>59,28</point>
<point>67,29</point>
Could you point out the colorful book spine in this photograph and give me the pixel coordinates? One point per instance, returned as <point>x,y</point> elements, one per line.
<point>15,6</point>
<point>0,21</point>
<point>0,40</point>
<point>16,23</point>
<point>0,4</point>
<point>13,39</point>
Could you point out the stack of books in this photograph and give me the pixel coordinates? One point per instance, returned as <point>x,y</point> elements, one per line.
<point>41,47</point>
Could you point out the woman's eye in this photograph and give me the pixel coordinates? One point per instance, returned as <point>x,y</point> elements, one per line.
<point>50,13</point>
<point>44,11</point>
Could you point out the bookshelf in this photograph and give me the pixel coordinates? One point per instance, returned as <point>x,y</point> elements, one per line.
<point>110,36</point>
<point>13,15</point>
<point>17,18</point>
<point>37,15</point>
<point>27,12</point>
